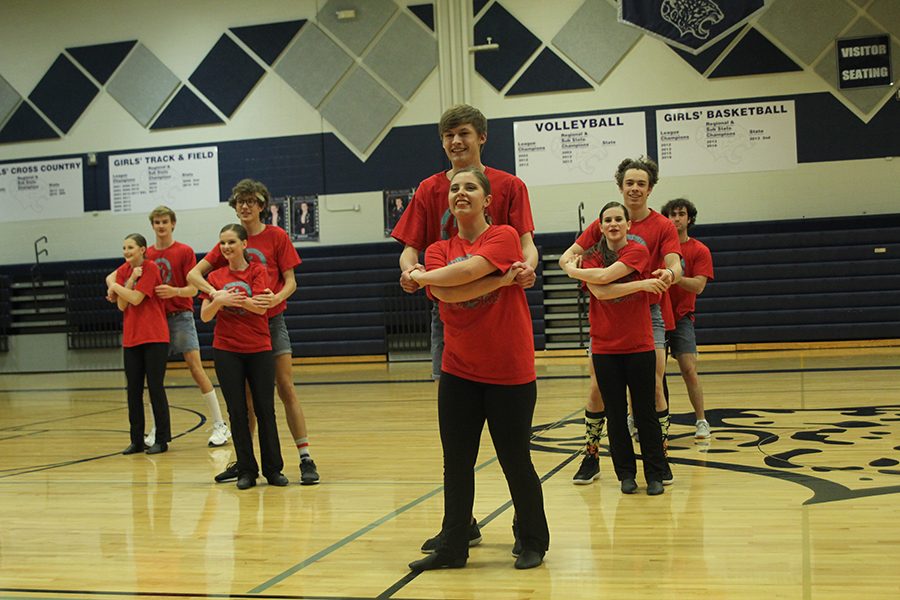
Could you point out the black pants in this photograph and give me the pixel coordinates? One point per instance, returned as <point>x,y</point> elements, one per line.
<point>258,370</point>
<point>637,372</point>
<point>463,407</point>
<point>147,361</point>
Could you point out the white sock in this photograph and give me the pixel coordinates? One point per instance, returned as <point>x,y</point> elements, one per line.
<point>212,404</point>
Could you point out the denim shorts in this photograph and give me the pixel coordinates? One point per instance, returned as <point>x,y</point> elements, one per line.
<point>281,341</point>
<point>659,327</point>
<point>683,340</point>
<point>182,332</point>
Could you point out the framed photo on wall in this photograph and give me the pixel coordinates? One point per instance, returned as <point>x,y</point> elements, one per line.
<point>304,218</point>
<point>395,202</point>
<point>276,213</point>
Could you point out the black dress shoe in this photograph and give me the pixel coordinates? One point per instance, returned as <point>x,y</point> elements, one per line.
<point>655,488</point>
<point>529,559</point>
<point>277,479</point>
<point>438,561</point>
<point>629,486</point>
<point>230,472</point>
<point>245,481</point>
<point>134,448</point>
<point>157,448</point>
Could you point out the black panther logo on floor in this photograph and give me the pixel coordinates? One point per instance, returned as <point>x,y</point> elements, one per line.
<point>820,449</point>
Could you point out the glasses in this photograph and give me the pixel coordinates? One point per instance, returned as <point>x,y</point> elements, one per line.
<point>246,202</point>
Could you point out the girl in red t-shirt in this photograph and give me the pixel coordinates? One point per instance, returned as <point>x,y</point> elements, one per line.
<point>242,351</point>
<point>145,338</point>
<point>617,272</point>
<point>487,372</point>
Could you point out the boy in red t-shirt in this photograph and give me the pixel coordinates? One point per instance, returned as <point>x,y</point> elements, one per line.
<point>272,247</point>
<point>698,269</point>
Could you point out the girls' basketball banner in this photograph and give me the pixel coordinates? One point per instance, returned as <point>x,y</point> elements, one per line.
<point>692,25</point>
<point>49,189</point>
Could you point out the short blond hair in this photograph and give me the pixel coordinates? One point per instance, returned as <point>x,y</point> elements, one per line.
<point>162,211</point>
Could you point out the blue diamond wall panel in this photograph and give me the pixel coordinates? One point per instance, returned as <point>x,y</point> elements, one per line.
<point>101,60</point>
<point>754,55</point>
<point>185,110</point>
<point>701,62</point>
<point>425,13</point>
<point>63,93</point>
<point>26,125</point>
<point>548,73</point>
<point>268,41</point>
<point>517,44</point>
<point>226,75</point>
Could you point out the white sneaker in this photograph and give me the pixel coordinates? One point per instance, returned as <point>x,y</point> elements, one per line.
<point>632,430</point>
<point>220,434</point>
<point>150,438</point>
<point>702,430</point>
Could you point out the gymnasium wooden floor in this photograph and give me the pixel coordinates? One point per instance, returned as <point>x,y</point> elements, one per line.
<point>797,495</point>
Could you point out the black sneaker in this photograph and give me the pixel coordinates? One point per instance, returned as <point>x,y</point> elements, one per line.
<point>588,471</point>
<point>230,473</point>
<point>431,544</point>
<point>308,473</point>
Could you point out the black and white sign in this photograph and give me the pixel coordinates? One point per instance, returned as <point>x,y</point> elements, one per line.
<point>727,138</point>
<point>49,189</point>
<point>582,149</point>
<point>180,178</point>
<point>864,62</point>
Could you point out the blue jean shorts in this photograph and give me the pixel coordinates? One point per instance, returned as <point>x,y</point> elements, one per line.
<point>659,327</point>
<point>281,341</point>
<point>182,332</point>
<point>683,340</point>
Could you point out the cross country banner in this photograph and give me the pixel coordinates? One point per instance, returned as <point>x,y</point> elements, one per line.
<point>690,25</point>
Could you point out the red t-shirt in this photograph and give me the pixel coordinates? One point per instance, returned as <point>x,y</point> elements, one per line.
<point>621,325</point>
<point>143,323</point>
<point>239,330</point>
<point>487,339</point>
<point>427,219</point>
<point>174,263</point>
<point>654,231</point>
<point>273,249</point>
<point>695,260</point>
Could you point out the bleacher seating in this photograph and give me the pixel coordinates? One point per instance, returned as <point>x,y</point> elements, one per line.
<point>5,315</point>
<point>93,322</point>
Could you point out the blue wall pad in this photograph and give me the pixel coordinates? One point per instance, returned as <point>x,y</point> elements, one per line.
<point>226,75</point>
<point>9,99</point>
<point>101,60</point>
<point>360,109</point>
<point>754,55</point>
<point>26,125</point>
<point>313,64</point>
<point>594,40</point>
<point>425,12</point>
<point>548,73</point>
<point>404,56</point>
<point>701,62</point>
<point>477,5</point>
<point>517,44</point>
<point>142,85</point>
<point>357,32</point>
<point>185,110</point>
<point>63,93</point>
<point>268,41</point>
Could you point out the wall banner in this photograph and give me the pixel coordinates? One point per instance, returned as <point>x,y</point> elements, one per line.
<point>47,189</point>
<point>582,149</point>
<point>180,178</point>
<point>727,138</point>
